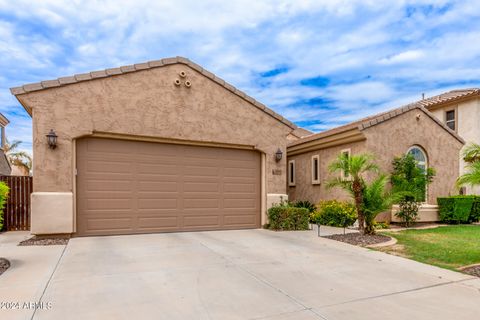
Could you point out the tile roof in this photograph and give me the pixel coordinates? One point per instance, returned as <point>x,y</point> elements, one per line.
<point>447,97</point>
<point>43,85</point>
<point>384,116</point>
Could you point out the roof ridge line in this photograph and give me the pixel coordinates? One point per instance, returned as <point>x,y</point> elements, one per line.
<point>105,73</point>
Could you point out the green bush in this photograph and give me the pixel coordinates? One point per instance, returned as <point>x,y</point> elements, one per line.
<point>305,204</point>
<point>459,209</point>
<point>287,217</point>
<point>335,213</point>
<point>3,198</point>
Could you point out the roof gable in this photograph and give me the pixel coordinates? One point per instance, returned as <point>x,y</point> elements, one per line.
<point>63,81</point>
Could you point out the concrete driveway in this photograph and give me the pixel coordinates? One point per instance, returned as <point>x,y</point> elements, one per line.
<point>251,274</point>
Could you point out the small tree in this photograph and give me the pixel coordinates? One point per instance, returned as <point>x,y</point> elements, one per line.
<point>355,167</point>
<point>409,182</point>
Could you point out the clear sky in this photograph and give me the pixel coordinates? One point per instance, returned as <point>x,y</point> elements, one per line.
<point>320,63</point>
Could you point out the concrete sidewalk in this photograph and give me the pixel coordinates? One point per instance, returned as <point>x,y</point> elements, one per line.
<point>249,274</point>
<point>30,270</point>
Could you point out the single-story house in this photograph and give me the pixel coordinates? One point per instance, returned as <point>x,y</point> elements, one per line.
<point>168,146</point>
<point>387,135</point>
<point>5,167</point>
<point>152,147</point>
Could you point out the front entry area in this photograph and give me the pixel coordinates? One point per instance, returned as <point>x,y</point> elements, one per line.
<point>130,187</point>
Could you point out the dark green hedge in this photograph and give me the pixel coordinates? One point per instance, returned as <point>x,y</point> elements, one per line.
<point>459,209</point>
<point>286,217</point>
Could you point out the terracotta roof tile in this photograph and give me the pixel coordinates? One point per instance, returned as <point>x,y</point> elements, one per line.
<point>143,66</point>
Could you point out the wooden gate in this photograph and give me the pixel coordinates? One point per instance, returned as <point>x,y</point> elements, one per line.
<point>17,208</point>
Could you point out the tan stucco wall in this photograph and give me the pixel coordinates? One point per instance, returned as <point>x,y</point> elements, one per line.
<point>467,122</point>
<point>386,140</point>
<point>143,105</point>
<point>147,103</point>
<point>304,189</point>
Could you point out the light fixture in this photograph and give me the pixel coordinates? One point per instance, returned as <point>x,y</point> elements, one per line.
<point>52,139</point>
<point>278,155</point>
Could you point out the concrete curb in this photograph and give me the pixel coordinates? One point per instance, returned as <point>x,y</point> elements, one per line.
<point>390,242</point>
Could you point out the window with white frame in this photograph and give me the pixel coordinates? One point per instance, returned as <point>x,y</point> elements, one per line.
<point>291,173</point>
<point>316,169</point>
<point>420,157</point>
<point>345,175</point>
<point>450,119</point>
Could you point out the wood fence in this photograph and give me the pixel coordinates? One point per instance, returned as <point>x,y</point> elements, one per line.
<point>17,208</point>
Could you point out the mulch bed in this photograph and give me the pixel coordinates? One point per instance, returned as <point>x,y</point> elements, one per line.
<point>358,239</point>
<point>37,241</point>
<point>4,265</point>
<point>473,271</point>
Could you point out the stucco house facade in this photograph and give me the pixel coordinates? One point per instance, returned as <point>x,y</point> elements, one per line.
<point>152,147</point>
<point>5,167</point>
<point>387,135</point>
<point>460,110</point>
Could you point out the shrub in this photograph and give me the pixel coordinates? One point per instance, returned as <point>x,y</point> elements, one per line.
<point>408,211</point>
<point>305,204</point>
<point>3,198</point>
<point>335,213</point>
<point>287,217</point>
<point>459,209</point>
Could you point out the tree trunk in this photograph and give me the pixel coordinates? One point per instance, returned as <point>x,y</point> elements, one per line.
<point>357,192</point>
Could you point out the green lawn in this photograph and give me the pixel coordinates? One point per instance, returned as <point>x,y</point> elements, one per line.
<point>447,247</point>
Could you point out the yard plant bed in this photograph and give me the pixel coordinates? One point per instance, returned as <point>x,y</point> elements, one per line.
<point>474,271</point>
<point>449,247</point>
<point>359,239</point>
<point>37,241</point>
<point>4,265</point>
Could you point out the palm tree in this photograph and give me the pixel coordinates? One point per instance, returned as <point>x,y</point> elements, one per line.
<point>16,157</point>
<point>376,200</point>
<point>471,154</point>
<point>354,167</point>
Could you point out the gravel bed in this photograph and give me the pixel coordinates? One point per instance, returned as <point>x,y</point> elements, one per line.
<point>358,239</point>
<point>35,241</point>
<point>473,271</point>
<point>4,265</point>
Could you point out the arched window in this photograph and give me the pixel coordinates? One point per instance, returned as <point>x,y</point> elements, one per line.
<point>420,156</point>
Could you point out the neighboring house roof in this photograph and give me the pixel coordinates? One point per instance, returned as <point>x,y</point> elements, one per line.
<point>3,120</point>
<point>44,85</point>
<point>371,121</point>
<point>449,97</point>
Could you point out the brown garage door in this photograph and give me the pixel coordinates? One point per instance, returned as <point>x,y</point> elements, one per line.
<point>126,187</point>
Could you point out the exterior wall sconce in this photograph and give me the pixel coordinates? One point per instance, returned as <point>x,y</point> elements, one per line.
<point>278,155</point>
<point>52,139</point>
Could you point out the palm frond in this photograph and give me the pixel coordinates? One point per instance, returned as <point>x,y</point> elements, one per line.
<point>472,177</point>
<point>471,153</point>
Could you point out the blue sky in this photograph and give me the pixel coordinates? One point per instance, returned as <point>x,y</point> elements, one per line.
<point>320,63</point>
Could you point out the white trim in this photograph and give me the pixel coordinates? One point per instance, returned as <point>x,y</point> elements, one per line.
<point>291,173</point>
<point>454,110</point>
<point>342,173</point>
<point>315,157</point>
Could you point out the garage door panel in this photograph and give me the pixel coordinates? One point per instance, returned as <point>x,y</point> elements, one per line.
<point>157,169</point>
<point>201,221</point>
<point>156,222</point>
<point>128,187</point>
<point>157,186</point>
<point>239,220</point>
<point>166,203</point>
<point>109,204</point>
<point>201,186</point>
<point>198,171</point>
